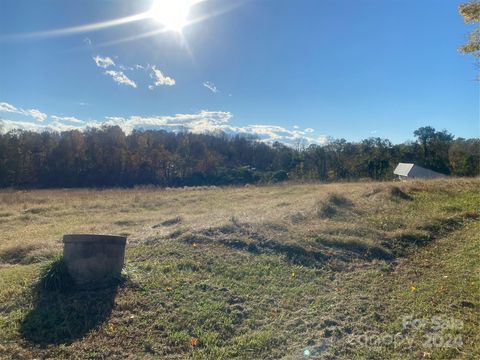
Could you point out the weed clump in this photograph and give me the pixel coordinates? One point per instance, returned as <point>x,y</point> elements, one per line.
<point>339,200</point>
<point>326,211</point>
<point>168,222</point>
<point>55,276</point>
<point>331,206</point>
<point>35,210</point>
<point>396,193</point>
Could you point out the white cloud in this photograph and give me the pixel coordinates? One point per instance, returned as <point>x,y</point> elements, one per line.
<point>34,113</point>
<point>103,62</point>
<point>202,122</point>
<point>160,79</point>
<point>215,122</point>
<point>70,119</point>
<point>210,86</point>
<point>117,76</point>
<point>121,78</point>
<point>6,107</point>
<point>9,125</point>
<point>87,41</point>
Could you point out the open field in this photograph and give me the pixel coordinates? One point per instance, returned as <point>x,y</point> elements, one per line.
<point>330,271</point>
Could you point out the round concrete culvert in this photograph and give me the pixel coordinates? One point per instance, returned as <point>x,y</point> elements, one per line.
<point>94,260</point>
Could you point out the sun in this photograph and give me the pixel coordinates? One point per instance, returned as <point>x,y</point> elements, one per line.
<point>172,14</point>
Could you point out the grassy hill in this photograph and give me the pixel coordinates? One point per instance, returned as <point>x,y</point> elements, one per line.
<point>336,271</point>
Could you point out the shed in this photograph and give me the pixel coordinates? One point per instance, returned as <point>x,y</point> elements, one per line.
<point>406,171</point>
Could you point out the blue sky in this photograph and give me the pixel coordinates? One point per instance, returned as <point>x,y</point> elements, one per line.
<point>282,69</point>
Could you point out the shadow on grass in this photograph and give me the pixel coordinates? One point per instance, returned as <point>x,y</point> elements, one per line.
<point>294,253</point>
<point>62,314</point>
<point>18,255</point>
<point>245,238</point>
<point>361,248</point>
<point>425,234</point>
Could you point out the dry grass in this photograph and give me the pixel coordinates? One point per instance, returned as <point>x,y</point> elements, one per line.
<point>33,222</point>
<point>40,218</point>
<point>257,272</point>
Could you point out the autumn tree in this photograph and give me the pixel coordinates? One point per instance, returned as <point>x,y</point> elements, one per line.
<point>109,157</point>
<point>471,15</point>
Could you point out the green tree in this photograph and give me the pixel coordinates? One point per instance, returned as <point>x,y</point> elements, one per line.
<point>435,146</point>
<point>464,156</point>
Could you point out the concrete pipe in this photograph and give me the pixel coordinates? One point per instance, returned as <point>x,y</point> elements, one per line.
<point>94,260</point>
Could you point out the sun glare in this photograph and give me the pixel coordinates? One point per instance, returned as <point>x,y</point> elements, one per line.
<point>171,13</point>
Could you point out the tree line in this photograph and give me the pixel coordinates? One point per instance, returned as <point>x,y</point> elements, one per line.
<point>108,157</point>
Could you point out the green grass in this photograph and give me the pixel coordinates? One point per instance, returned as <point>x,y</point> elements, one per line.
<point>222,276</point>
<point>431,301</point>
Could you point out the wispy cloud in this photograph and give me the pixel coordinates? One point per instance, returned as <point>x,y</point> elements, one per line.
<point>210,86</point>
<point>123,67</point>
<point>121,78</point>
<point>6,107</point>
<point>118,75</point>
<point>34,113</point>
<point>201,122</point>
<point>103,62</point>
<point>160,79</point>
<point>87,41</point>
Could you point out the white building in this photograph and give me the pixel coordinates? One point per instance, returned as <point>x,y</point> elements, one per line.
<point>406,171</point>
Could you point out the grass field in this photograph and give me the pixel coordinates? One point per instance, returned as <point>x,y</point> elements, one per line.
<point>323,271</point>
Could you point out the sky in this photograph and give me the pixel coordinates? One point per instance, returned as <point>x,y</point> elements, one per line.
<point>283,70</point>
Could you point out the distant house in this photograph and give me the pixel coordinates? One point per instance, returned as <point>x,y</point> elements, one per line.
<point>405,171</point>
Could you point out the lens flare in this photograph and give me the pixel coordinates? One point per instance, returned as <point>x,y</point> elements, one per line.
<point>172,14</point>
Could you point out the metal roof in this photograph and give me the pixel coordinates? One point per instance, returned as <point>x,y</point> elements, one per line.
<point>403,169</point>
<point>415,171</point>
